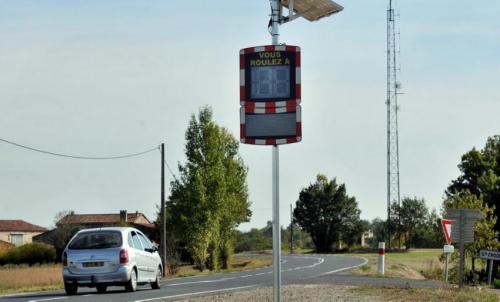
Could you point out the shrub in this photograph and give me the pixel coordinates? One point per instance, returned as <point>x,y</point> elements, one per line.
<point>30,253</point>
<point>496,283</point>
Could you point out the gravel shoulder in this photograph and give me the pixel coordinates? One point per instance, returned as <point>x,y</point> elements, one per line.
<point>310,292</point>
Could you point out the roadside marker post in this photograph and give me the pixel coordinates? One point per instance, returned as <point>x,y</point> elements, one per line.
<point>381,258</point>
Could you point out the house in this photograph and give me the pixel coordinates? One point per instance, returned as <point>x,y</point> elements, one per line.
<point>137,220</point>
<point>18,232</point>
<point>365,237</point>
<point>86,221</point>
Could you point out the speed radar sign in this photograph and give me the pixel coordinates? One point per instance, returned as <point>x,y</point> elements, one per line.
<point>270,76</point>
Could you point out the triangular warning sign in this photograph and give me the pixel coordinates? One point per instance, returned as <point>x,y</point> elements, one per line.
<point>446,224</point>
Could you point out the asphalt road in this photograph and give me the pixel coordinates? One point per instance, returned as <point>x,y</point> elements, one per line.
<point>295,269</point>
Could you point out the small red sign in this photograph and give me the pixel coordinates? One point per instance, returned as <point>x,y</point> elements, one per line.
<point>446,224</point>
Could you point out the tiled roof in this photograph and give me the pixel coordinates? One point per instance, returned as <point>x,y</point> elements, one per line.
<point>138,218</point>
<point>19,226</point>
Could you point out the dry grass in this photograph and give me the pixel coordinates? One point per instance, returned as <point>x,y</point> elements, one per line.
<point>49,277</point>
<point>429,294</point>
<point>416,264</point>
<point>25,278</point>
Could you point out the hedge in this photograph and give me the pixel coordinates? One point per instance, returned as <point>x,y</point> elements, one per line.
<point>31,253</point>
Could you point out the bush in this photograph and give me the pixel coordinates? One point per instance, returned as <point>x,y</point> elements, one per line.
<point>496,283</point>
<point>31,253</point>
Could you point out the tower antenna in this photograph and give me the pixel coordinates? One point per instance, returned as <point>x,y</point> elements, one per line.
<point>393,90</point>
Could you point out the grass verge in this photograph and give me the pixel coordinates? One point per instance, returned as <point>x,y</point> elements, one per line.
<point>25,278</point>
<point>237,264</point>
<point>16,279</point>
<point>427,294</point>
<point>415,264</point>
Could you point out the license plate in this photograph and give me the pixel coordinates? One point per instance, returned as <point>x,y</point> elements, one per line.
<point>93,264</point>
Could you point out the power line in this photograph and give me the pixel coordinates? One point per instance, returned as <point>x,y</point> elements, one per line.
<point>77,156</point>
<point>169,170</point>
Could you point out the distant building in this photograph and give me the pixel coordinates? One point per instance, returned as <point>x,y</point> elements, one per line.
<point>136,220</point>
<point>364,238</point>
<point>19,232</point>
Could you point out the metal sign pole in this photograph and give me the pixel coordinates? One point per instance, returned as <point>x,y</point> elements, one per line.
<point>462,249</point>
<point>276,228</point>
<point>490,271</point>
<point>447,255</point>
<point>275,14</point>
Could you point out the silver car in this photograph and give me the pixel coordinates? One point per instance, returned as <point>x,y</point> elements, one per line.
<point>110,256</point>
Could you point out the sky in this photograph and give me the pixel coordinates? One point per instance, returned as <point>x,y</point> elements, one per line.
<point>106,78</point>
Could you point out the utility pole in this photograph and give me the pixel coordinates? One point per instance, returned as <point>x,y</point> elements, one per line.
<point>291,229</point>
<point>163,235</point>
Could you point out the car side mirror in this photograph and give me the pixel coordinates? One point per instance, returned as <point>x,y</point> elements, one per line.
<point>151,250</point>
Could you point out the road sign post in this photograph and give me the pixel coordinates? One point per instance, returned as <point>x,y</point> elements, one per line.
<point>270,98</point>
<point>447,249</point>
<point>491,256</point>
<point>466,218</point>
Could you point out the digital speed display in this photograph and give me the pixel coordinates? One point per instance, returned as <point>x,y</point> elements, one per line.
<point>270,82</point>
<point>270,74</point>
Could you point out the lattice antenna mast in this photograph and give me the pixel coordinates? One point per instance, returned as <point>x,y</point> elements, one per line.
<point>393,90</point>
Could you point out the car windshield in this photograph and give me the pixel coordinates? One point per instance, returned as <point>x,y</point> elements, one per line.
<point>96,240</point>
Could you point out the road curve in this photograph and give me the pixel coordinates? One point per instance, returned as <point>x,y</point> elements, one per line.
<point>294,269</point>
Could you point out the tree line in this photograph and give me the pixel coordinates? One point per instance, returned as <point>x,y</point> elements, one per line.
<point>209,200</point>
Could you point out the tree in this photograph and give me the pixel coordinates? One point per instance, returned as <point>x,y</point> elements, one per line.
<point>379,228</point>
<point>326,212</point>
<point>485,237</point>
<point>413,214</point>
<point>210,199</point>
<point>480,176</point>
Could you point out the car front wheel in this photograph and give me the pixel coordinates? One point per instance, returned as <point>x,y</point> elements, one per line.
<point>156,283</point>
<point>132,283</point>
<point>70,289</point>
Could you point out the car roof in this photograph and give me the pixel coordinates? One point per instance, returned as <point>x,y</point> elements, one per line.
<point>115,229</point>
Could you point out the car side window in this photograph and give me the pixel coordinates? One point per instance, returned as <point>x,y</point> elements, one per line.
<point>145,242</point>
<point>136,241</point>
<point>130,241</point>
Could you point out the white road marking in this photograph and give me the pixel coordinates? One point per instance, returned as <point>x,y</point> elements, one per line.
<point>196,293</point>
<point>318,262</point>
<point>49,299</point>
<point>365,261</point>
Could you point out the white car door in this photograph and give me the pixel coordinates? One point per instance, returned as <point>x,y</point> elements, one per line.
<point>150,255</point>
<point>142,258</point>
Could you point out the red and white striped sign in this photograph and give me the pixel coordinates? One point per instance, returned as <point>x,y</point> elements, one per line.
<point>248,136</point>
<point>446,225</point>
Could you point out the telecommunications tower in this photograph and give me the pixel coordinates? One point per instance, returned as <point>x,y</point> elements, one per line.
<point>393,90</point>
